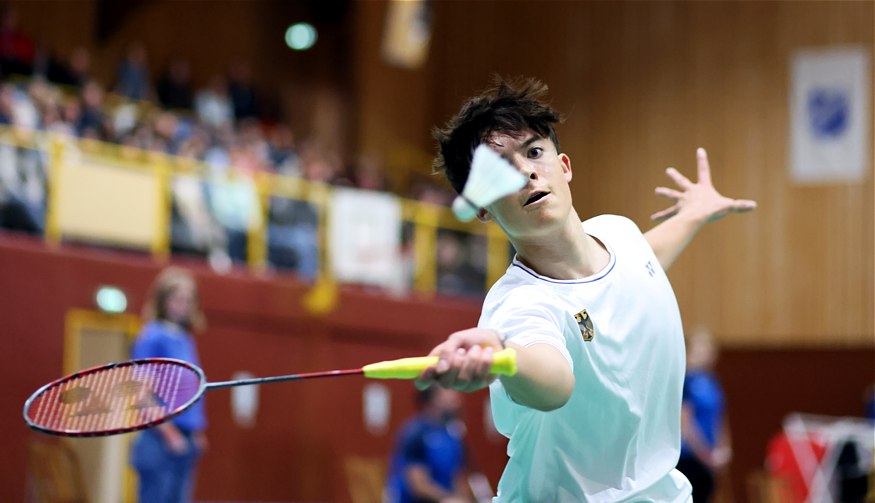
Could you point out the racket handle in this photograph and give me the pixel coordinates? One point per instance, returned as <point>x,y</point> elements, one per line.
<point>503,362</point>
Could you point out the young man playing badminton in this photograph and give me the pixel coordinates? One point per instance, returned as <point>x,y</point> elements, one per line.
<point>593,413</point>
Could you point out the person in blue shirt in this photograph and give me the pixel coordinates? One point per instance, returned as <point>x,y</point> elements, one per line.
<point>704,433</point>
<point>165,457</point>
<point>428,463</point>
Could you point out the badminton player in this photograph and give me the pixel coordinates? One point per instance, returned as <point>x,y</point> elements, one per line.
<point>593,413</point>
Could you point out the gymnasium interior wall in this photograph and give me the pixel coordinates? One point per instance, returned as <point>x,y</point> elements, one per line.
<point>787,290</point>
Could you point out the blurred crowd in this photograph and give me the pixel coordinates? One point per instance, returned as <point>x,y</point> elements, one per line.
<point>221,124</point>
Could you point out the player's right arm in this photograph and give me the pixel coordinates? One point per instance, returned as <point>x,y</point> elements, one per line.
<point>543,381</point>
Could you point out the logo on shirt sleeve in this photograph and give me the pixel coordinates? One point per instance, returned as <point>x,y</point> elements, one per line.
<point>585,324</point>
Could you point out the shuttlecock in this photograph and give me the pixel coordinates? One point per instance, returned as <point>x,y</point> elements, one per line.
<point>491,178</point>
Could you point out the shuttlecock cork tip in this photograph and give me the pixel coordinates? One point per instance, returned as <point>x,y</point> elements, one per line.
<point>463,209</point>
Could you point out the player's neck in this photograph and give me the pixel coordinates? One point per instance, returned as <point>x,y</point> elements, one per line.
<point>570,253</point>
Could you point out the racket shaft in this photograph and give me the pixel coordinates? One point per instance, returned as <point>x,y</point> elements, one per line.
<point>504,363</point>
<point>290,377</point>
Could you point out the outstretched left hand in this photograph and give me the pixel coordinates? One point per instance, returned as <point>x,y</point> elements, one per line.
<point>699,201</point>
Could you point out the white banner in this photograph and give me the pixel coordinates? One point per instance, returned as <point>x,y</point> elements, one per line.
<point>830,110</point>
<point>364,232</point>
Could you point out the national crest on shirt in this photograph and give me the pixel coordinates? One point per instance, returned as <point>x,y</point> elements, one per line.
<point>585,323</point>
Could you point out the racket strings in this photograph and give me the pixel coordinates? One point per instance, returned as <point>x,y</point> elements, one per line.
<point>113,398</point>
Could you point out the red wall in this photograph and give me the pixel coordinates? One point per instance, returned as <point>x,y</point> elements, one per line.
<point>304,430</point>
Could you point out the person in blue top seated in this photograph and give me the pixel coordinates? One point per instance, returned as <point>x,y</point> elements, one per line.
<point>165,457</point>
<point>705,447</point>
<point>428,463</point>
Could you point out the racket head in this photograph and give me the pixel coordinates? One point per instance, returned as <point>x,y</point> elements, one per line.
<point>115,398</point>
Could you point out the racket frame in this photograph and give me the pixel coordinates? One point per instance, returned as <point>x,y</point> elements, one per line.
<point>114,431</point>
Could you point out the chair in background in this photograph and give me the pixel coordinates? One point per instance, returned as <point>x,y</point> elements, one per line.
<point>54,474</point>
<point>366,478</point>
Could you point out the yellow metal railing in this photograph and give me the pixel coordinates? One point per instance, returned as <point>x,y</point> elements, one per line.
<point>427,219</point>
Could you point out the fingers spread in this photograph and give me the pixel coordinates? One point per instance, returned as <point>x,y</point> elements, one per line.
<point>704,167</point>
<point>743,205</point>
<point>681,181</point>
<point>669,193</point>
<point>666,213</point>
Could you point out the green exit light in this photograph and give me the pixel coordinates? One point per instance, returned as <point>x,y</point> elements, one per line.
<point>301,36</point>
<point>111,299</point>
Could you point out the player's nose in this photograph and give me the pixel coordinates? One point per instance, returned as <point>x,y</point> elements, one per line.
<point>526,167</point>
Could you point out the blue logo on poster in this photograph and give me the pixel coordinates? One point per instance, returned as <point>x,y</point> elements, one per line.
<point>828,112</point>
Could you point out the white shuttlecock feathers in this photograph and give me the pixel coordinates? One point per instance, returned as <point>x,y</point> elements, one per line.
<point>491,178</point>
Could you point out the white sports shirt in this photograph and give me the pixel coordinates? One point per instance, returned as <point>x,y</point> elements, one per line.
<point>617,439</point>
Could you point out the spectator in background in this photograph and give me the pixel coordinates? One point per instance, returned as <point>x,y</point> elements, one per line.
<point>194,230</point>
<point>22,177</point>
<point>24,113</point>
<point>169,132</point>
<point>233,199</point>
<point>70,112</point>
<point>132,78</point>
<point>293,236</point>
<point>213,105</point>
<point>282,152</point>
<point>241,91</point>
<point>174,86</point>
<point>424,190</point>
<point>7,104</point>
<point>293,226</point>
<point>456,274</point>
<point>428,462</point>
<point>91,118</point>
<point>705,444</point>
<point>17,50</point>
<point>165,456</point>
<point>368,174</point>
<point>75,72</point>
<point>256,148</point>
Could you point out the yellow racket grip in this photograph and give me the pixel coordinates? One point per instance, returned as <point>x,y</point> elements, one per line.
<point>503,362</point>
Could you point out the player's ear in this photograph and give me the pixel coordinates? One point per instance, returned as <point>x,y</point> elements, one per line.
<point>483,215</point>
<point>566,166</point>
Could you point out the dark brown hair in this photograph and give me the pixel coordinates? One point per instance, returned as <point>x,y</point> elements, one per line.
<point>509,106</point>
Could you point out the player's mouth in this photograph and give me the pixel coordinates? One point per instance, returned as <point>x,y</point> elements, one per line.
<point>535,197</point>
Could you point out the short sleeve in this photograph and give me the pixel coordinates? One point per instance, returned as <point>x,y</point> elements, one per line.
<point>526,317</point>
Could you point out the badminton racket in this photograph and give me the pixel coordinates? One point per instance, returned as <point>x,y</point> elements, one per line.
<point>136,394</point>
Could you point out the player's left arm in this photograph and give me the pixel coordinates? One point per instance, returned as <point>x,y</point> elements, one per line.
<point>695,204</point>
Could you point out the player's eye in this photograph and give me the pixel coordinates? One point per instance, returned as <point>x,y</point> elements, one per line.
<point>535,152</point>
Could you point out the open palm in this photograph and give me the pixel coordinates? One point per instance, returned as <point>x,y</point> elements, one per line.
<point>699,200</point>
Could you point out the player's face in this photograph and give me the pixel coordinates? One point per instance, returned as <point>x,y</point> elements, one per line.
<point>180,303</point>
<point>448,403</point>
<point>546,198</point>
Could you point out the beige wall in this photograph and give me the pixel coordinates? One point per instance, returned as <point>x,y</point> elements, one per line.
<point>642,85</point>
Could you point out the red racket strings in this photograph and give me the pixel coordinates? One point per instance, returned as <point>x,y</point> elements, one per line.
<point>123,397</point>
